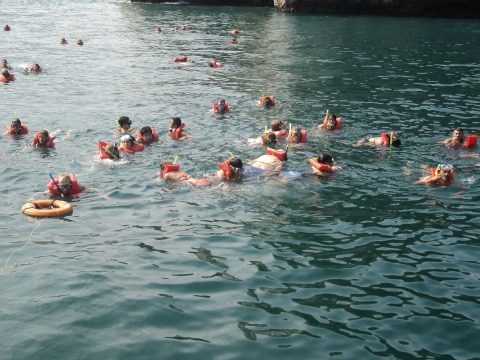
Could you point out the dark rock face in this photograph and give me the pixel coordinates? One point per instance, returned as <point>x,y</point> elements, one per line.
<point>433,8</point>
<point>443,8</point>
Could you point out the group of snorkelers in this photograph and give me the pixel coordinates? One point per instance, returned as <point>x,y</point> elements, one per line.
<point>233,168</point>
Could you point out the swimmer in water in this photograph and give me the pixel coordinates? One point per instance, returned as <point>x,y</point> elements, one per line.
<point>457,138</point>
<point>158,29</point>
<point>279,129</point>
<point>124,125</point>
<point>6,28</point>
<point>146,135</point>
<point>220,107</point>
<point>230,169</point>
<point>112,151</point>
<point>440,176</point>
<point>176,131</point>
<point>171,172</point>
<point>386,139</point>
<point>322,165</point>
<point>35,68</point>
<point>234,41</point>
<point>330,123</point>
<point>16,128</point>
<point>79,42</point>
<point>43,139</point>
<point>267,138</point>
<point>5,65</point>
<point>63,41</point>
<point>65,185</point>
<point>267,163</point>
<point>214,64</point>
<point>266,101</point>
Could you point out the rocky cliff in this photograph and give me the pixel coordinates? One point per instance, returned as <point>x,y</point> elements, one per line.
<point>433,8</point>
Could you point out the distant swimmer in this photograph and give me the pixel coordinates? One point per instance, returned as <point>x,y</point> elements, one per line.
<point>35,68</point>
<point>220,107</point>
<point>128,144</point>
<point>124,125</point>
<point>214,64</point>
<point>331,122</point>
<point>146,135</point>
<point>6,28</point>
<point>322,165</point>
<point>180,59</point>
<point>183,28</point>
<point>16,128</point>
<point>440,176</point>
<point>278,128</point>
<point>43,139</point>
<point>5,65</point>
<point>171,172</point>
<point>233,41</point>
<point>266,101</point>
<point>235,31</point>
<point>6,76</point>
<point>63,41</point>
<point>230,169</point>
<point>158,29</point>
<point>176,131</point>
<point>65,185</point>
<point>385,139</point>
<point>79,42</point>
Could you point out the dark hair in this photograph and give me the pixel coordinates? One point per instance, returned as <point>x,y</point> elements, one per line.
<point>177,121</point>
<point>210,64</point>
<point>271,137</point>
<point>267,101</point>
<point>5,73</point>
<point>124,120</point>
<point>236,163</point>
<point>146,130</point>
<point>16,122</point>
<point>459,129</point>
<point>396,141</point>
<point>325,159</point>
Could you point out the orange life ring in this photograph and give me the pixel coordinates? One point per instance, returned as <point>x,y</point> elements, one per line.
<point>47,208</point>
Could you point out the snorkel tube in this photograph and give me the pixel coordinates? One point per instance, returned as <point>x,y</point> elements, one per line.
<point>58,187</point>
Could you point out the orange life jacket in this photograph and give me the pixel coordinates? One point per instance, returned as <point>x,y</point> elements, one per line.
<point>225,166</point>
<point>433,172</point>
<point>170,167</point>
<point>280,154</point>
<point>75,189</point>
<point>319,166</point>
<point>102,152</point>
<point>48,144</point>
<point>182,58</point>
<point>177,132</point>
<point>386,138</point>
<point>134,148</point>
<point>8,78</point>
<point>215,108</point>
<point>32,69</point>
<point>471,141</point>
<point>303,137</point>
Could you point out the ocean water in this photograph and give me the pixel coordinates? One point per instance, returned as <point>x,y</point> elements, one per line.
<point>362,265</point>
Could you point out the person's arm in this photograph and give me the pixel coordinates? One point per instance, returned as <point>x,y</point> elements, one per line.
<point>425,180</point>
<point>221,174</point>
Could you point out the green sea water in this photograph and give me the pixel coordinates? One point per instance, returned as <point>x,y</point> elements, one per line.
<point>362,265</point>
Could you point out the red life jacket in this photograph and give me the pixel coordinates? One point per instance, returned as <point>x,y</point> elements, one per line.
<point>303,137</point>
<point>134,148</point>
<point>280,154</point>
<point>8,78</point>
<point>101,150</point>
<point>170,167</point>
<point>319,166</point>
<point>433,172</point>
<point>471,141</point>
<point>48,144</point>
<point>182,58</point>
<point>386,138</point>
<point>73,190</point>
<point>177,132</point>
<point>262,100</point>
<point>215,108</point>
<point>32,69</point>
<point>225,166</point>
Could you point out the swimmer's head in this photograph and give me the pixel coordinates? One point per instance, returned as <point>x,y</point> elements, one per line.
<point>4,63</point>
<point>43,136</point>
<point>175,123</point>
<point>271,138</point>
<point>326,159</point>
<point>112,150</point>
<point>124,122</point>
<point>221,106</point>
<point>16,124</point>
<point>63,40</point>
<point>267,101</point>
<point>295,134</point>
<point>331,122</point>
<point>79,42</point>
<point>127,141</point>
<point>5,73</point>
<point>276,125</point>
<point>395,140</point>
